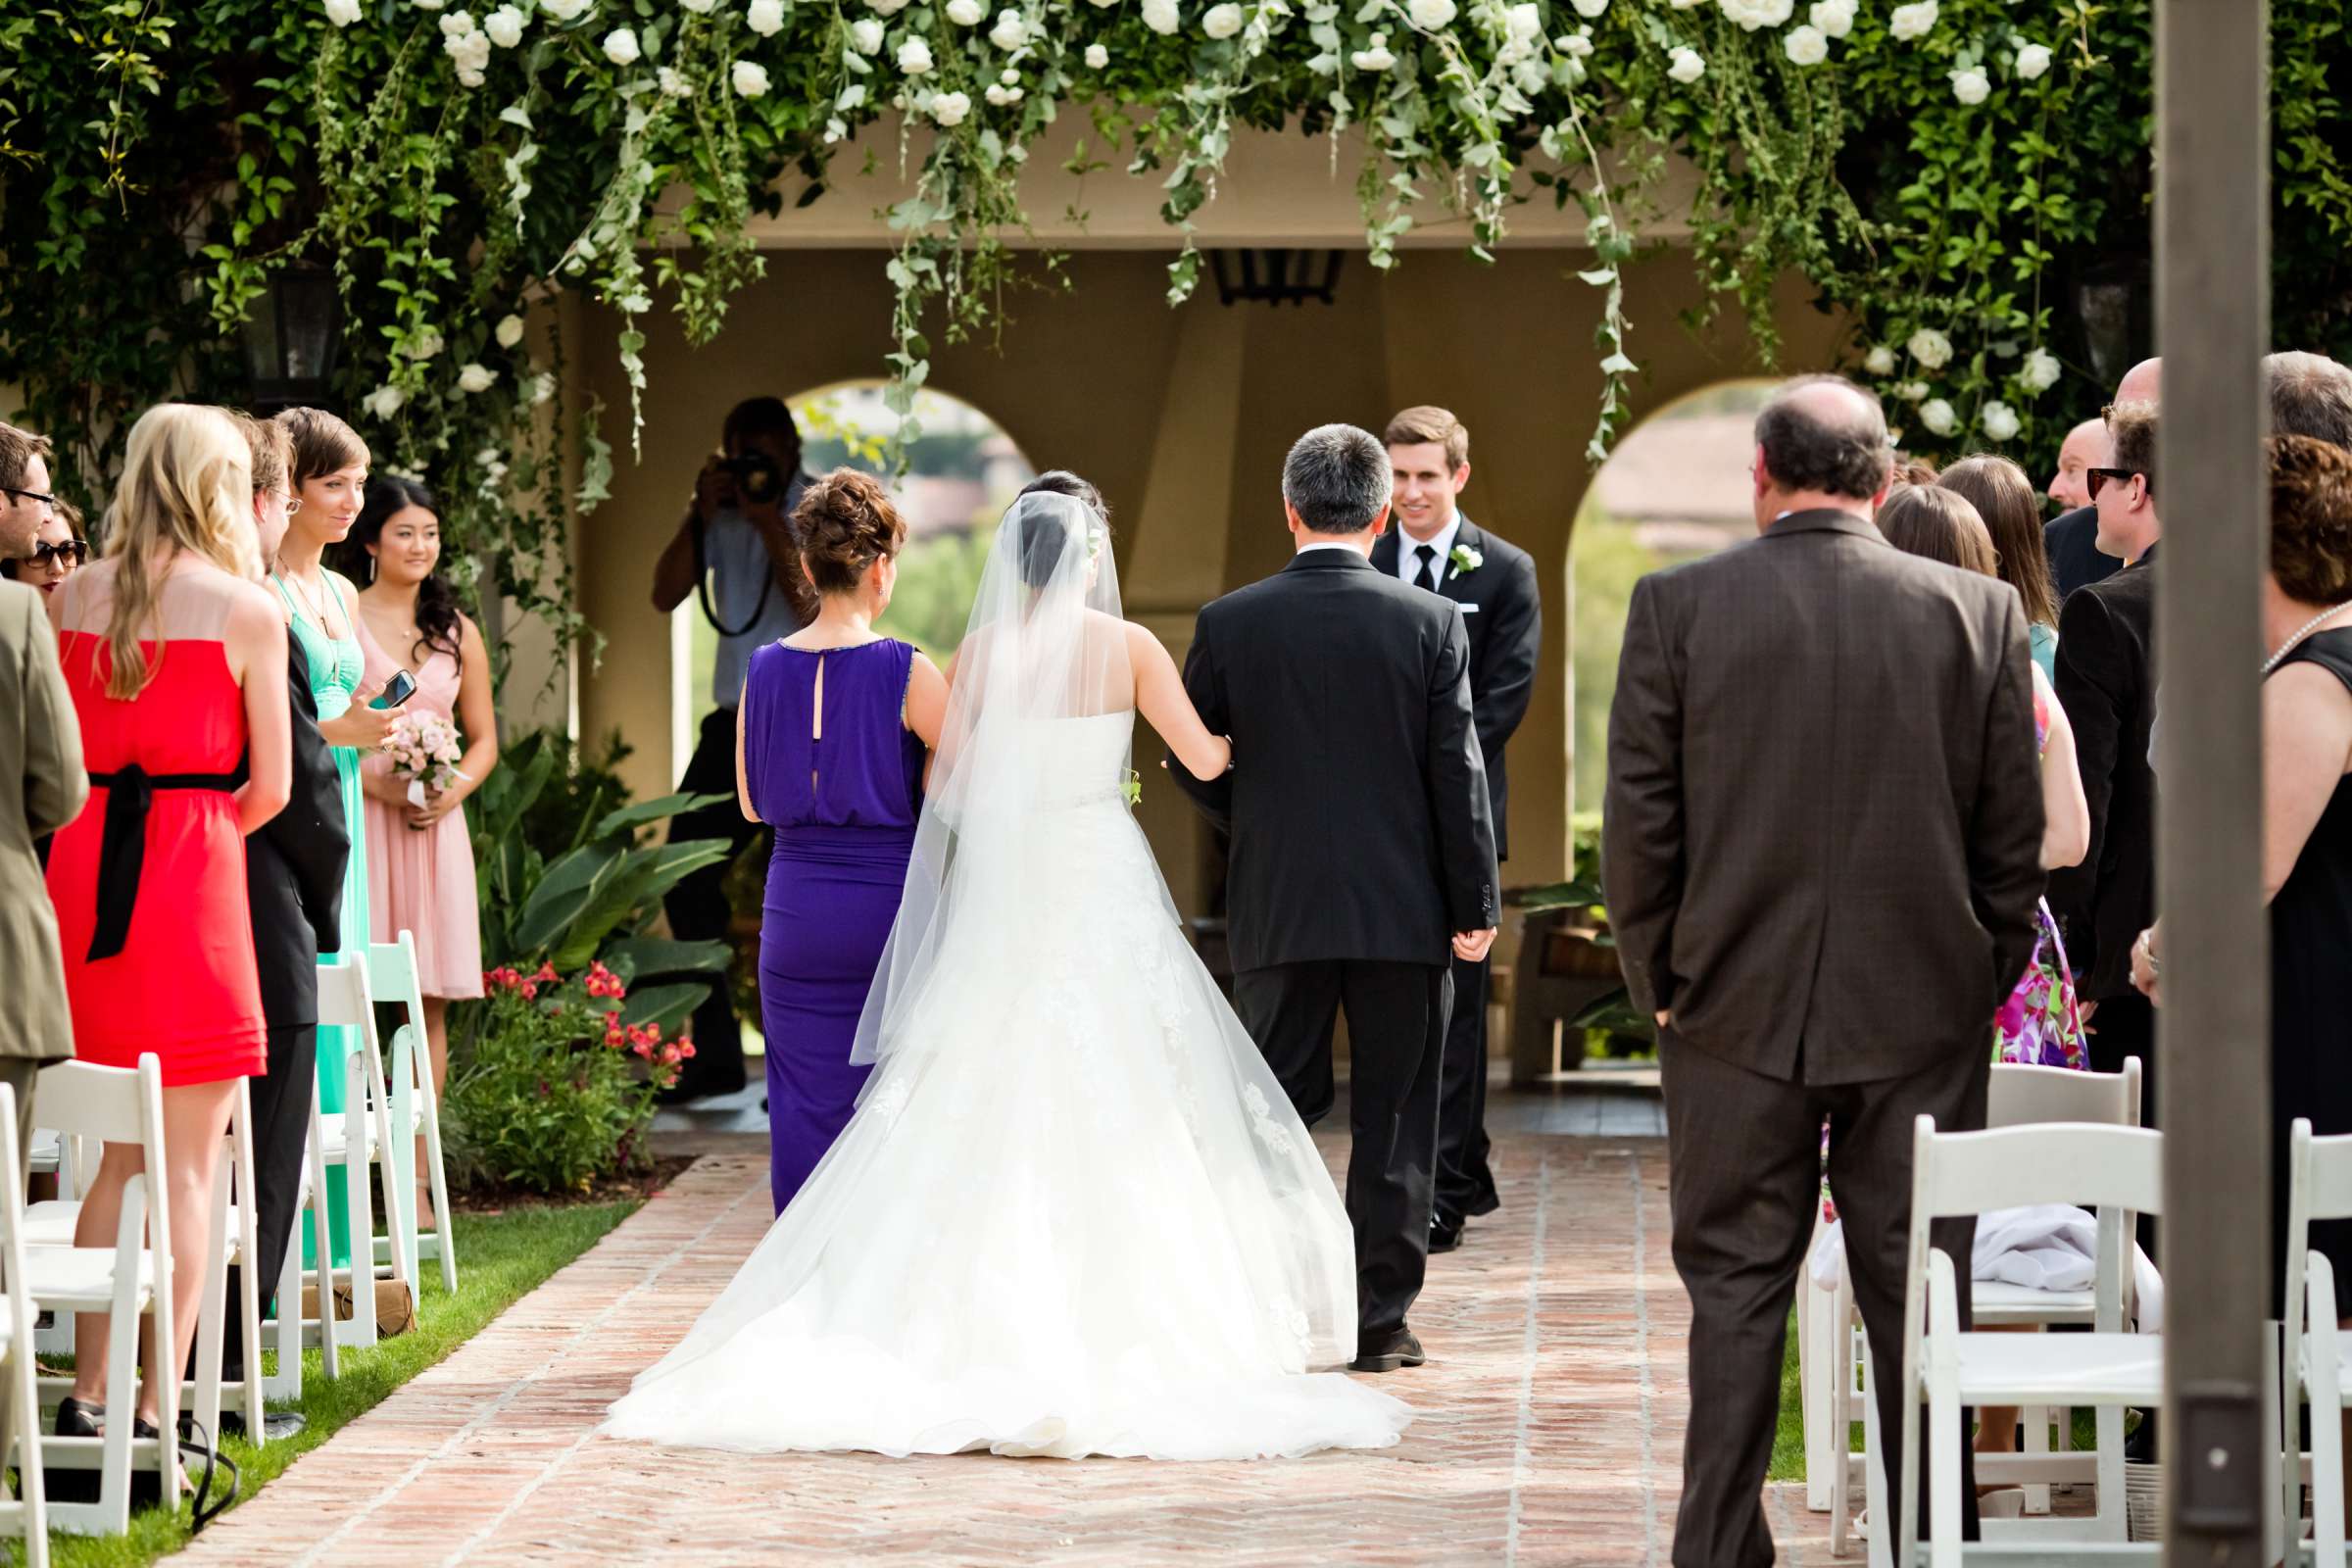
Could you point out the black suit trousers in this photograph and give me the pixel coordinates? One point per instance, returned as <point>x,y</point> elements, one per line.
<point>1465,1182</point>
<point>698,912</point>
<point>1743,1156</point>
<point>1397,1039</point>
<point>281,1118</point>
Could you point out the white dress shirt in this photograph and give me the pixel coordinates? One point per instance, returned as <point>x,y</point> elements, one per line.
<point>1408,557</point>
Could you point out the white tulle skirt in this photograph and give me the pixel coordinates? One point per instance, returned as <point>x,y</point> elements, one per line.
<point>1073,1215</point>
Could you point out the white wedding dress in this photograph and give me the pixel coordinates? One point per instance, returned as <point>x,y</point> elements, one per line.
<point>1074,1213</point>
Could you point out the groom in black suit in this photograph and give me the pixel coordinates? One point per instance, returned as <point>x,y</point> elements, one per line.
<point>1362,845</point>
<point>1434,547</point>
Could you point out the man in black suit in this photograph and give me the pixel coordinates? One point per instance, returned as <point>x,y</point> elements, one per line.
<point>294,882</point>
<point>2105,680</point>
<point>1821,849</point>
<point>1363,857</point>
<point>2072,538</point>
<point>1437,549</point>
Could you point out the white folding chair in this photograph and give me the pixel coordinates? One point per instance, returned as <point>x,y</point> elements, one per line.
<point>128,1281</point>
<point>415,1108</point>
<point>288,1328</point>
<point>2018,1096</point>
<point>2116,1171</point>
<point>2318,1187</point>
<point>26,1513</point>
<point>357,1138</point>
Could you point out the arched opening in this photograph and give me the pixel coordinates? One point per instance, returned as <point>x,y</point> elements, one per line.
<point>961,471</point>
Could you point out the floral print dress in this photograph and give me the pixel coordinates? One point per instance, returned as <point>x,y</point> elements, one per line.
<point>2040,1025</point>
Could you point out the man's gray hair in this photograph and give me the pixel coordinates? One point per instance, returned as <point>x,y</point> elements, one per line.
<point>1336,478</point>
<point>2310,395</point>
<point>1824,433</point>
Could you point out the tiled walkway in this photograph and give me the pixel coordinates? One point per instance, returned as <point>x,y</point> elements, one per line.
<point>1550,1431</point>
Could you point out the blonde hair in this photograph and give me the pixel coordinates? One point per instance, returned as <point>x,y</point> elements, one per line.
<point>187,487</point>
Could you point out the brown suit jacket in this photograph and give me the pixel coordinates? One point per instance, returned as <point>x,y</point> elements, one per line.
<point>1821,843</point>
<point>41,787</point>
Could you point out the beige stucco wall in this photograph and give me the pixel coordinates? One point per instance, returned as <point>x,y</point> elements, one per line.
<point>1182,416</point>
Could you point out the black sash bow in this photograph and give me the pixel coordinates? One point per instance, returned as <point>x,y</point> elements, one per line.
<point>123,845</point>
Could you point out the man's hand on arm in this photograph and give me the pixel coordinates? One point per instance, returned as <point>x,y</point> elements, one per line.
<point>1472,947</point>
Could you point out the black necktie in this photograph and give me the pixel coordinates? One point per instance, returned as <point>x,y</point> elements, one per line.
<point>1425,578</point>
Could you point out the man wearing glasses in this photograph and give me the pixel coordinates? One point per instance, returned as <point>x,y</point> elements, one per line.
<point>24,500</point>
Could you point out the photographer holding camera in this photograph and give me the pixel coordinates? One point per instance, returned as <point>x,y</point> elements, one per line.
<point>734,552</point>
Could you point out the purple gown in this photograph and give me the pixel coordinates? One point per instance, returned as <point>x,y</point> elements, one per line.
<point>844,809</point>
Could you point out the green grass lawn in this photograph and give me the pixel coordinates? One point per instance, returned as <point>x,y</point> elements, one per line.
<point>500,1258</point>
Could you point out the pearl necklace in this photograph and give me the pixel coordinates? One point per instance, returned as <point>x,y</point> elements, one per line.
<point>2306,629</point>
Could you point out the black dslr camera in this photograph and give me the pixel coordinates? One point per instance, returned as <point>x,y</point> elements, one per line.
<point>758,478</point>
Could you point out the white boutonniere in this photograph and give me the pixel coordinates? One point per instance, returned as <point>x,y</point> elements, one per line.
<point>1465,561</point>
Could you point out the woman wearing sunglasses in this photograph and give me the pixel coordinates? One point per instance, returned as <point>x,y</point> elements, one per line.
<point>57,549</point>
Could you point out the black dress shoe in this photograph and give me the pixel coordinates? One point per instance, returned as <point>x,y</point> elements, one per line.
<point>1386,1352</point>
<point>1444,1235</point>
<point>78,1419</point>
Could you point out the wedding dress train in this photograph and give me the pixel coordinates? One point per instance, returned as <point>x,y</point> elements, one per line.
<point>1074,1213</point>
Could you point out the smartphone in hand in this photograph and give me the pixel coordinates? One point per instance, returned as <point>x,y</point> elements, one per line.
<point>398,690</point>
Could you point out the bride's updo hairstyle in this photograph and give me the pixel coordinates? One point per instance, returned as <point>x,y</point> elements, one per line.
<point>1045,535</point>
<point>844,524</point>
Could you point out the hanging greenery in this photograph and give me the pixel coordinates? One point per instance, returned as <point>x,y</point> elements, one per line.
<point>1951,175</point>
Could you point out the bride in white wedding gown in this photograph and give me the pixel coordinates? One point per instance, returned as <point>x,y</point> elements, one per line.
<point>1074,1213</point>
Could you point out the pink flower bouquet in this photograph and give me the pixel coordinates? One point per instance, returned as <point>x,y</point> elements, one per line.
<point>422,748</point>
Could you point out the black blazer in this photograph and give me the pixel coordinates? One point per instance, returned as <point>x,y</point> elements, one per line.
<point>1821,843</point>
<point>2105,680</point>
<point>2072,539</point>
<point>294,865</point>
<point>1505,611</point>
<point>1358,803</point>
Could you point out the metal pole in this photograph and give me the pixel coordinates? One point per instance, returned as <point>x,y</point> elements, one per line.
<point>2212,324</point>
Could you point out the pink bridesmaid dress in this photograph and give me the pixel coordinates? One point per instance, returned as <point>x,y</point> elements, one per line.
<point>422,881</point>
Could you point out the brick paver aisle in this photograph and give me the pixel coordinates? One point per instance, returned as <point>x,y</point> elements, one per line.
<point>1550,1431</point>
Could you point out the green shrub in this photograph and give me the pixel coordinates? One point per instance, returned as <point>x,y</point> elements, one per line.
<point>550,1088</point>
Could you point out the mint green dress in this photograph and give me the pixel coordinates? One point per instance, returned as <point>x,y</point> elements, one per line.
<point>336,666</point>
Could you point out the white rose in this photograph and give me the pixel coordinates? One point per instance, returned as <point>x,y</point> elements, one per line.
<point>888,8</point>
<point>1756,14</point>
<point>1911,391</point>
<point>1431,16</point>
<point>564,10</point>
<point>1999,421</point>
<point>1687,68</point>
<point>674,83</point>
<point>1525,23</point>
<point>2031,60</point>
<point>1590,8</point>
<point>866,35</point>
<point>425,344</point>
<point>504,26</point>
<point>426,5</point>
<point>1913,21</point>
<point>508,332</point>
<point>1971,87</point>
<point>342,13</point>
<point>951,109</point>
<point>1937,415</point>
<point>456,25</point>
<point>472,53</point>
<point>1576,46</point>
<point>543,387</point>
<point>914,58</point>
<point>620,46</point>
<point>2040,373</point>
<point>1375,59</point>
<point>1012,30</point>
<point>1001,95</point>
<point>476,378</point>
<point>1931,348</point>
<point>384,401</point>
<point>1162,16</point>
<point>1223,21</point>
<point>765,17</point>
<point>1880,361</point>
<point>1835,18</point>
<point>749,78</point>
<point>1805,46</point>
<point>701,8</point>
<point>966,12</point>
<point>1097,57</point>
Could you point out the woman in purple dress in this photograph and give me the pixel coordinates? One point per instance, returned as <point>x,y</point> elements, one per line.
<point>830,739</point>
